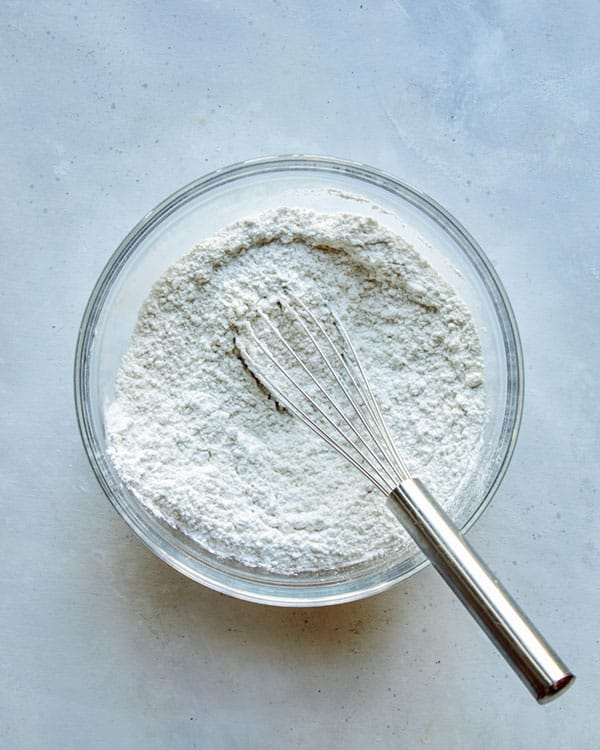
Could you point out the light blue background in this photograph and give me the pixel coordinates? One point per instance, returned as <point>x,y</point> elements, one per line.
<point>106,108</point>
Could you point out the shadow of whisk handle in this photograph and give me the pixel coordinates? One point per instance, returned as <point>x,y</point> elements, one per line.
<point>523,647</point>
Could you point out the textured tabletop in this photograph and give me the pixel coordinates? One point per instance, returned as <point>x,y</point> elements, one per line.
<point>105,109</point>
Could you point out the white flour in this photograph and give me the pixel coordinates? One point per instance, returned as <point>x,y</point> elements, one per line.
<point>198,442</point>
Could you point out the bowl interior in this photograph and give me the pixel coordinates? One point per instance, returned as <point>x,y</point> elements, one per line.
<point>206,206</point>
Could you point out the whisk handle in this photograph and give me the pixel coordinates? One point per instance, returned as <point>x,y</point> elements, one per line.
<point>514,635</point>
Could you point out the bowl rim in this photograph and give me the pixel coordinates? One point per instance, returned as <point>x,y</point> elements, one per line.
<point>217,178</point>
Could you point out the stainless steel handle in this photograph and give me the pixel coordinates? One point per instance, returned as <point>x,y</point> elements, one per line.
<point>522,646</point>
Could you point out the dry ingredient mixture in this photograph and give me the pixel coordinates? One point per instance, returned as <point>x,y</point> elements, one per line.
<point>196,439</point>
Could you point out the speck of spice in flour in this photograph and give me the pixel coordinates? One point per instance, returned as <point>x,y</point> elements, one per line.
<point>196,439</point>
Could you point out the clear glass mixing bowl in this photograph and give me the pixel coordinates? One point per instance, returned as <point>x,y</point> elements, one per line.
<point>207,205</point>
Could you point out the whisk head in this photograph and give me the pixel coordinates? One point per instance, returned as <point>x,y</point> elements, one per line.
<point>309,364</point>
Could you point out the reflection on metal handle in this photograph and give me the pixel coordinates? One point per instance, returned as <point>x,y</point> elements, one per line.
<point>462,569</point>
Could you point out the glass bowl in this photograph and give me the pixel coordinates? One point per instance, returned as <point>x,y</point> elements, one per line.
<point>209,204</point>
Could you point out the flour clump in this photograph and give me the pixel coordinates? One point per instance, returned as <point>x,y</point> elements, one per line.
<point>196,439</point>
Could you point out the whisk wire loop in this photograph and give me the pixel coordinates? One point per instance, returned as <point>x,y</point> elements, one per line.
<point>371,450</point>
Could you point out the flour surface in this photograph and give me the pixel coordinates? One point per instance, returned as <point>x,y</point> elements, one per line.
<point>196,439</point>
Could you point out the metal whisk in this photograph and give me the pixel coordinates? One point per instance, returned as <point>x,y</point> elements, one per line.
<point>310,366</point>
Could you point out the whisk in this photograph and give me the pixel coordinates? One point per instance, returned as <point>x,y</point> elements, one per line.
<point>310,366</point>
